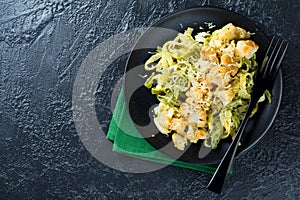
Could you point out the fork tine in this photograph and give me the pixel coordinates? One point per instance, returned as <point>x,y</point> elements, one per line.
<point>277,50</point>
<point>271,63</point>
<point>263,66</point>
<point>282,50</point>
<point>272,57</point>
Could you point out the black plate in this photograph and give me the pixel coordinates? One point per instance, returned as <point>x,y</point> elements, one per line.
<point>140,101</point>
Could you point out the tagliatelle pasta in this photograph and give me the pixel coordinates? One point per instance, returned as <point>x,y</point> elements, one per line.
<point>203,84</point>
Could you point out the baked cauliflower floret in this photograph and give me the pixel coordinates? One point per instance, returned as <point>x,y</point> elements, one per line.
<point>230,32</point>
<point>226,59</point>
<point>163,117</point>
<point>245,48</point>
<point>225,96</point>
<point>194,134</point>
<point>207,52</point>
<point>179,141</point>
<point>178,125</point>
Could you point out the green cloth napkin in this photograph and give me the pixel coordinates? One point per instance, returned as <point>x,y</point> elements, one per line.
<point>127,140</point>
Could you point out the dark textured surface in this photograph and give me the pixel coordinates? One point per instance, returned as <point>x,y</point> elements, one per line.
<point>43,44</point>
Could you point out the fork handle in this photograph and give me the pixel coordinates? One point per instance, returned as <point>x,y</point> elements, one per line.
<point>217,182</point>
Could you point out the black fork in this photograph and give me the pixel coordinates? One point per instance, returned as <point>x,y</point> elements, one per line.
<point>264,79</point>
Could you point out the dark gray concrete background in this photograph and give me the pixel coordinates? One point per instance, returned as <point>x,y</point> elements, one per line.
<point>42,45</point>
